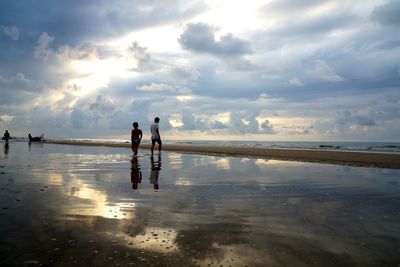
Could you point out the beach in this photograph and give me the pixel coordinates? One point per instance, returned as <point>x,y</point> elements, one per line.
<point>351,158</point>
<point>67,205</point>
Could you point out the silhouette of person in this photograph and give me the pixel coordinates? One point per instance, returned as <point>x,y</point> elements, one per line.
<point>155,170</point>
<point>6,136</point>
<point>136,174</point>
<point>155,135</point>
<point>136,137</point>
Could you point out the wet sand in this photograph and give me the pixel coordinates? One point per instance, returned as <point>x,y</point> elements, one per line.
<point>63,205</point>
<point>351,158</point>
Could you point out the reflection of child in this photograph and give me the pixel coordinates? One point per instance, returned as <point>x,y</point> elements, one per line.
<point>155,171</point>
<point>136,137</point>
<point>136,174</point>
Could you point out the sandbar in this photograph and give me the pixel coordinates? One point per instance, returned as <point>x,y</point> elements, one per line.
<point>351,158</point>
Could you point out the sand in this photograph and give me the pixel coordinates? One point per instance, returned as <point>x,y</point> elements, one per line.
<point>89,206</point>
<point>351,158</point>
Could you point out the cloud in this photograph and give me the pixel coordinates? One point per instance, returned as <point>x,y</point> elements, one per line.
<point>99,114</point>
<point>74,21</point>
<point>10,32</point>
<point>19,89</point>
<point>318,27</point>
<point>102,105</point>
<point>190,122</point>
<point>387,14</point>
<point>288,5</point>
<point>324,72</point>
<point>20,82</point>
<point>141,57</point>
<point>155,87</point>
<point>179,75</point>
<point>296,82</point>
<point>291,73</point>
<point>66,52</point>
<point>214,124</point>
<point>200,38</point>
<point>42,49</point>
<point>346,118</point>
<point>266,127</point>
<point>78,119</point>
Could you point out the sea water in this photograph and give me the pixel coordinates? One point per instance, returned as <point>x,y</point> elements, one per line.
<point>361,146</point>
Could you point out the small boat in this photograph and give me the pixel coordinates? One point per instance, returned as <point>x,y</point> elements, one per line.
<point>36,138</point>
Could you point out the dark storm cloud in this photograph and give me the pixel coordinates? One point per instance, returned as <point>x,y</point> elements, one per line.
<point>101,113</point>
<point>18,88</point>
<point>200,38</point>
<point>267,127</point>
<point>346,117</point>
<point>73,21</point>
<point>20,82</point>
<point>387,14</point>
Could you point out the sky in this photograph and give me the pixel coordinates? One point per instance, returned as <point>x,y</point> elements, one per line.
<point>277,70</point>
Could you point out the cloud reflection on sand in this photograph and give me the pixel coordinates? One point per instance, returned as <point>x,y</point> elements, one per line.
<point>253,213</point>
<point>156,239</point>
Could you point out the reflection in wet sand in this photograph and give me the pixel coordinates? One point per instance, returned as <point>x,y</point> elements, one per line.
<point>6,149</point>
<point>136,173</point>
<point>155,170</point>
<point>154,239</point>
<point>95,203</point>
<point>175,161</point>
<point>63,206</point>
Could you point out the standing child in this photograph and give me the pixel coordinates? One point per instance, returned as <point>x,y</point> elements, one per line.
<point>155,135</point>
<point>136,137</point>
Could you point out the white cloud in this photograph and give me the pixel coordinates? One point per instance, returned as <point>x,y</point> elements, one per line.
<point>155,87</point>
<point>141,57</point>
<point>7,118</point>
<point>66,52</point>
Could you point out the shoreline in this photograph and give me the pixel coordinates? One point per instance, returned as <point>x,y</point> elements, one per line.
<point>351,158</point>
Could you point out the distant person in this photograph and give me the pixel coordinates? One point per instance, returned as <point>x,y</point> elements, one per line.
<point>136,137</point>
<point>6,136</point>
<point>155,135</point>
<point>136,174</point>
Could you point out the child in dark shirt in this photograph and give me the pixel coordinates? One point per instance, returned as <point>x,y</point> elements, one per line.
<point>136,137</point>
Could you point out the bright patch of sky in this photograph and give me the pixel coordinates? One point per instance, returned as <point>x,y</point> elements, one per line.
<point>245,70</point>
